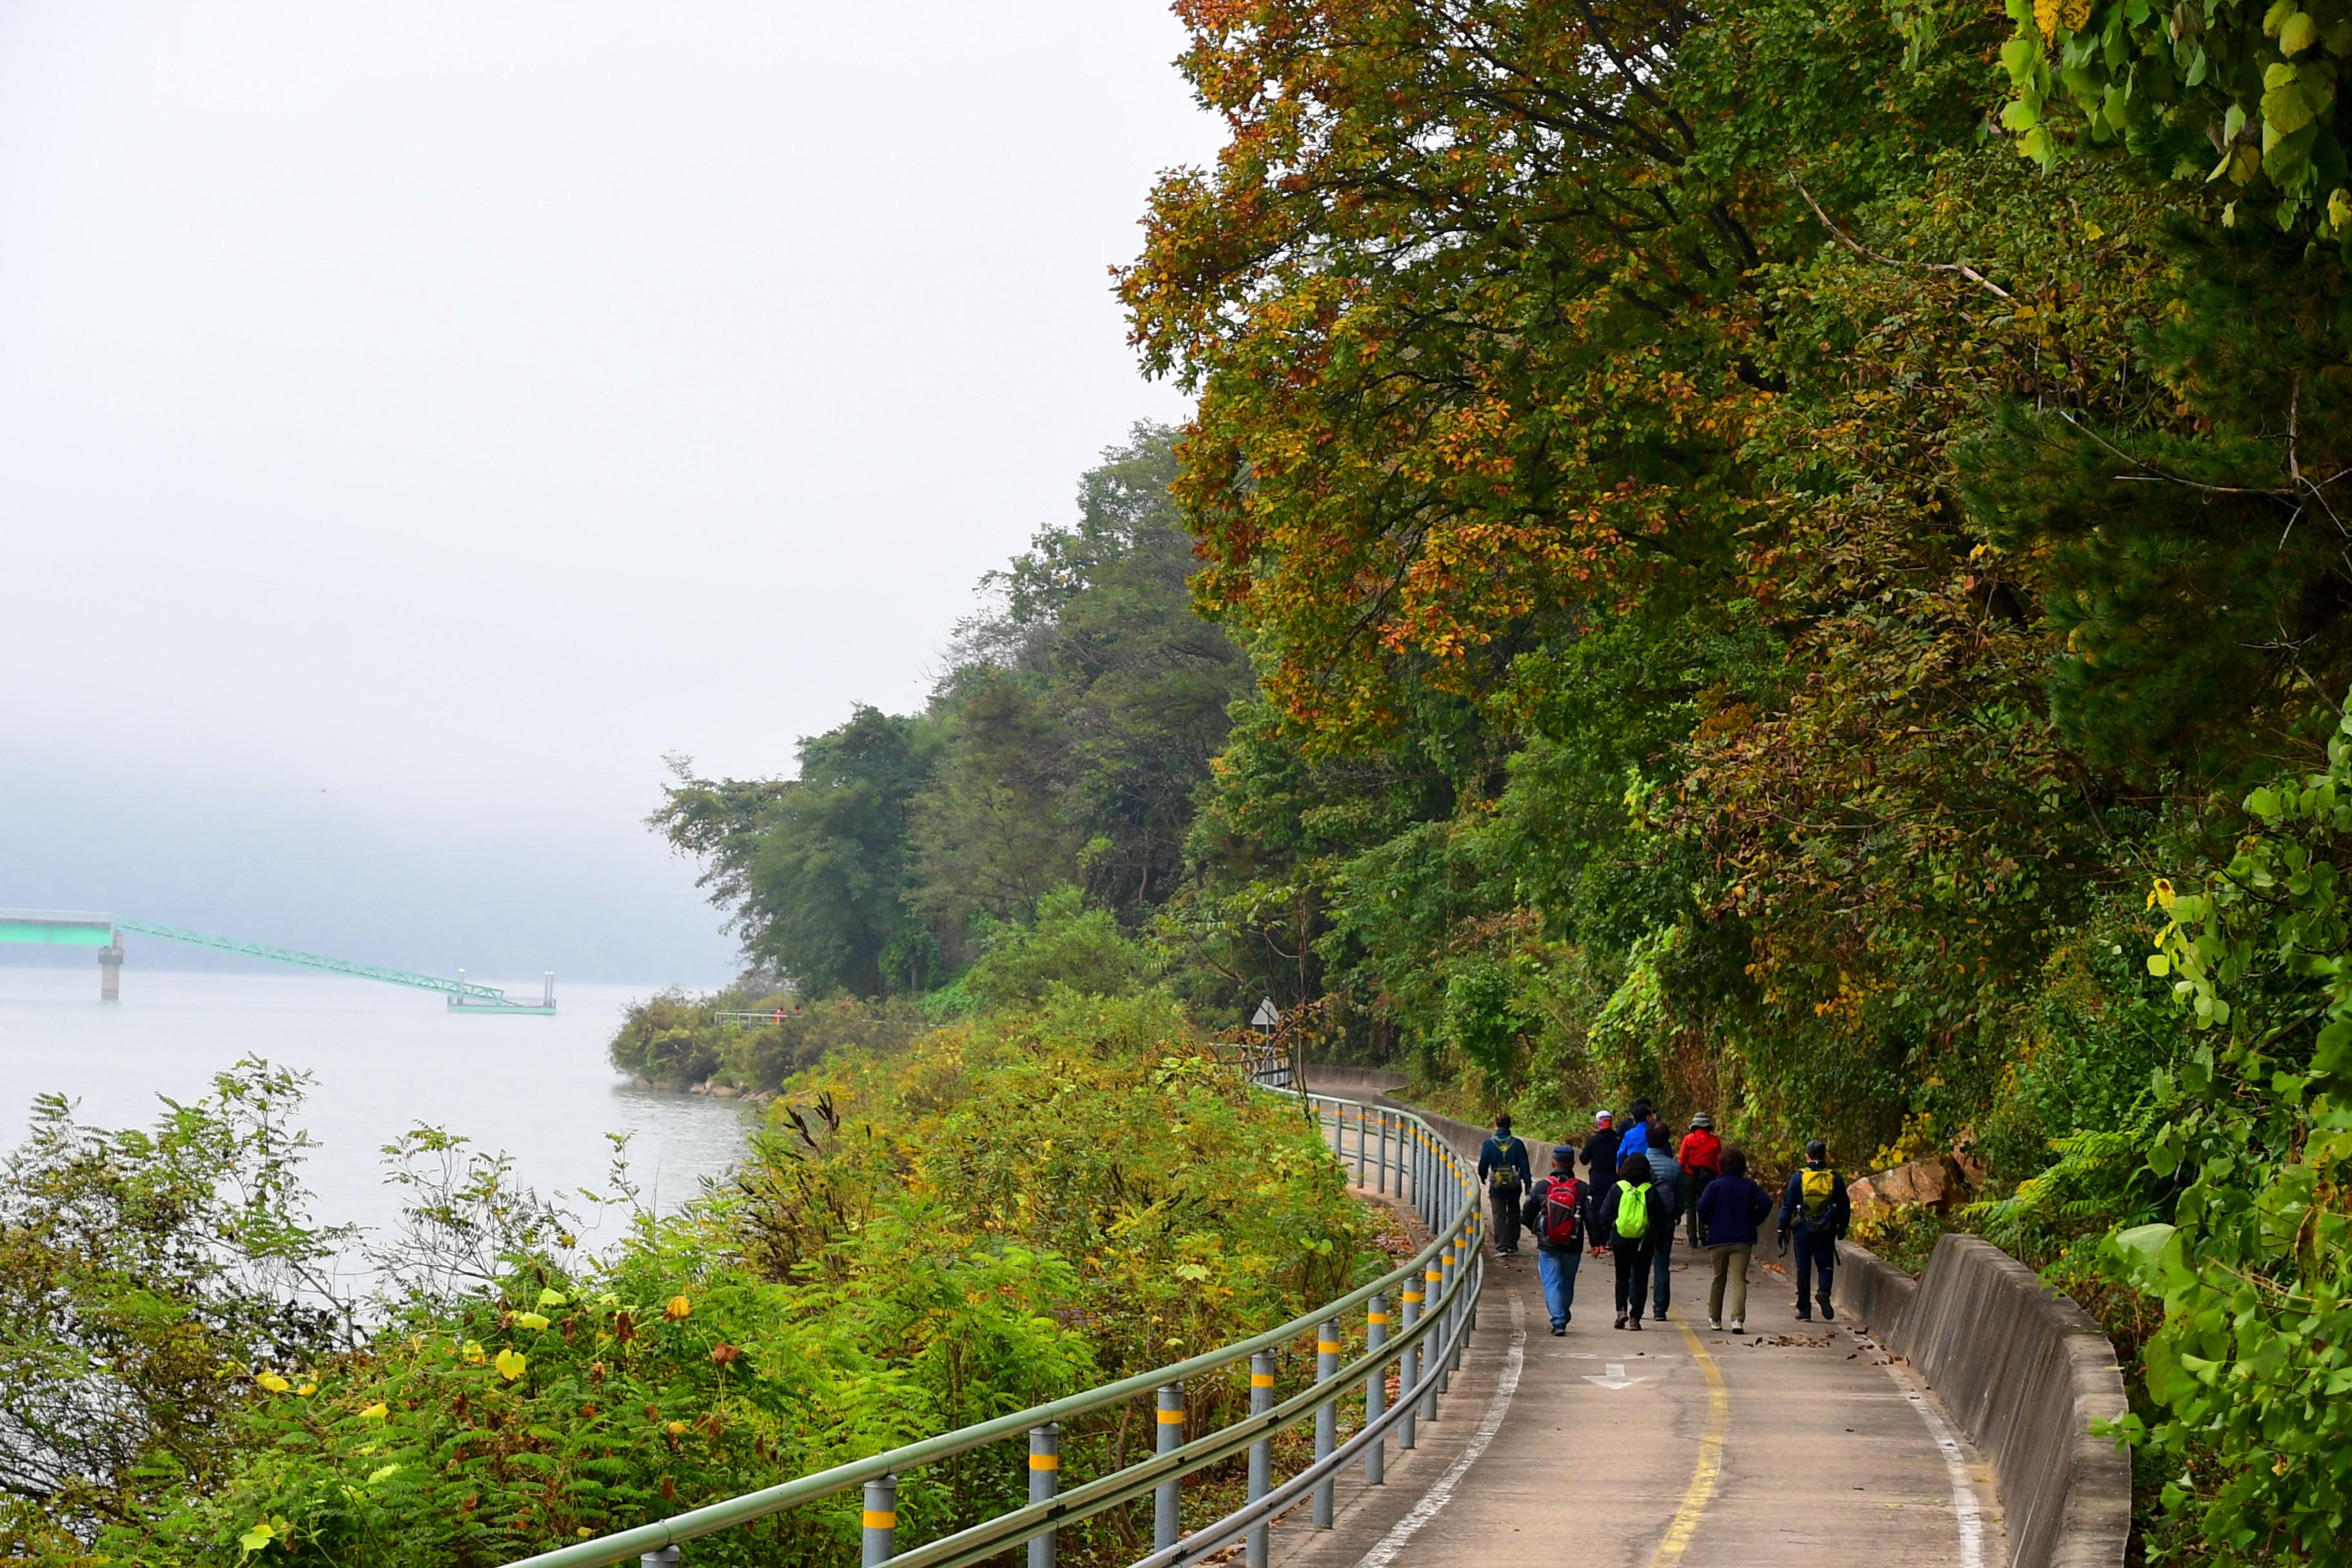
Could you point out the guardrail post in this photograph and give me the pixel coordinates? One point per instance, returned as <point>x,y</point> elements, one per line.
<point>1166,1521</point>
<point>1376,1389</point>
<point>1327,1419</point>
<point>662,1557</point>
<point>1468,1310</point>
<point>1383,1166</point>
<point>1044,1480</point>
<point>1432,1284</point>
<point>1406,1379</point>
<point>1445,1272</point>
<point>881,1522</point>
<point>1261,1453</point>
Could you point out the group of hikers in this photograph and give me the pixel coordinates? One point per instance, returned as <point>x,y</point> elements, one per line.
<point>1639,1184</point>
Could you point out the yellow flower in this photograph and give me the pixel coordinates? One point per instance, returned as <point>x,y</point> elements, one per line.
<point>472,1351</point>
<point>531,1319</point>
<point>377,1411</point>
<point>680,1307</point>
<point>307,1390</point>
<point>272,1382</point>
<point>676,1427</point>
<point>510,1365</point>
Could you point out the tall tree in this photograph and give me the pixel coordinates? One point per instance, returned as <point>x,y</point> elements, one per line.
<point>815,868</point>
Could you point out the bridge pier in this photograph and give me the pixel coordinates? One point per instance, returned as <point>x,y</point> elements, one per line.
<point>110,972</point>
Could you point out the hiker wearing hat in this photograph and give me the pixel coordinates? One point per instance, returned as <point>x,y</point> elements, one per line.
<point>1555,1212</point>
<point>1702,1157</point>
<point>1503,1172</point>
<point>1600,1157</point>
<point>1815,1206</point>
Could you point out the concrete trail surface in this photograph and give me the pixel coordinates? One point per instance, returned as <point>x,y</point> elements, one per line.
<point>1796,1444</point>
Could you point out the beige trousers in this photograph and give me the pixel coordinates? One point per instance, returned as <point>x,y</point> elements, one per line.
<point>1730,1264</point>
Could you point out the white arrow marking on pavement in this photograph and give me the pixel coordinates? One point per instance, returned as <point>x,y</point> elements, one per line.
<point>1616,1378</point>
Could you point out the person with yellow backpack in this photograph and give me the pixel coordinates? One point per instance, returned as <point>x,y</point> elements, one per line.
<point>1815,1206</point>
<point>1503,1171</point>
<point>1637,1216</point>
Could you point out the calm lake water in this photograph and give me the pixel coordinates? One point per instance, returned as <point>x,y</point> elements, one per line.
<point>385,1058</point>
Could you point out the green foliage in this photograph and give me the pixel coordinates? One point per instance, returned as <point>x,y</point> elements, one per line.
<point>989,1217</point>
<point>1063,748</point>
<point>143,1273</point>
<point>2254,1130</point>
<point>675,1041</point>
<point>1068,947</point>
<point>815,868</point>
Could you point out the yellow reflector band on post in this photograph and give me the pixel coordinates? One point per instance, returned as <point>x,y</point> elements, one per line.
<point>1261,1380</point>
<point>1044,1461</point>
<point>1171,1418</point>
<point>1377,1318</point>
<point>1412,1295</point>
<point>881,1520</point>
<point>1326,1347</point>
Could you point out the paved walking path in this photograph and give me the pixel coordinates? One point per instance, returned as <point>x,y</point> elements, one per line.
<point>1796,1444</point>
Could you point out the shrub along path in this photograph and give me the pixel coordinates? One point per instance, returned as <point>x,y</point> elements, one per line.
<point>1794,1444</point>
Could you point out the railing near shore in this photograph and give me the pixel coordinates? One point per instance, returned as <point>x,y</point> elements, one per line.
<point>1395,1153</point>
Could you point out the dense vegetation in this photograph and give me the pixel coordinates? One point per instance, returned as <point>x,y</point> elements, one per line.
<point>1784,558</point>
<point>1790,560</point>
<point>987,1216</point>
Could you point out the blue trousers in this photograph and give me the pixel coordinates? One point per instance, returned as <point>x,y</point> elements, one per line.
<point>1558,1270</point>
<point>1816,1253</point>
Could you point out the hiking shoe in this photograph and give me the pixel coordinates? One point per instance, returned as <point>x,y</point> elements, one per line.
<point>1558,1330</point>
<point>1714,1325</point>
<point>1636,1325</point>
<point>1737,1326</point>
<point>1829,1314</point>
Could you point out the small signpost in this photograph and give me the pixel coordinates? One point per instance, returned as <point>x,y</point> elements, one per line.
<point>1268,1017</point>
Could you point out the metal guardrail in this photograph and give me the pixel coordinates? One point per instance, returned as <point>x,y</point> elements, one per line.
<point>1439,1286</point>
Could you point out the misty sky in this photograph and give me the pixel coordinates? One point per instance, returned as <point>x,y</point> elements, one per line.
<point>415,420</point>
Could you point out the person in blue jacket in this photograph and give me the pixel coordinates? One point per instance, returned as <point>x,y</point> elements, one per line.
<point>1815,1206</point>
<point>1640,1119</point>
<point>1503,1172</point>
<point>1729,1212</point>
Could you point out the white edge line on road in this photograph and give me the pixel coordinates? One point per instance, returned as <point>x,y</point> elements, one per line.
<point>1965,1511</point>
<point>1384,1550</point>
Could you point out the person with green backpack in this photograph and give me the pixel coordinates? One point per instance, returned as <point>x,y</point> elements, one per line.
<point>1815,1206</point>
<point>1637,1214</point>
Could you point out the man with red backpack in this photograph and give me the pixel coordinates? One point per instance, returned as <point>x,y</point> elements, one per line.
<point>1555,1212</point>
<point>1702,1156</point>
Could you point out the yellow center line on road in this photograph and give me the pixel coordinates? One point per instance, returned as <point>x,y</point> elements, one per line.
<point>1710,1456</point>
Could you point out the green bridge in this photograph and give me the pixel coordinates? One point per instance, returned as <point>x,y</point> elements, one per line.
<point>66,927</point>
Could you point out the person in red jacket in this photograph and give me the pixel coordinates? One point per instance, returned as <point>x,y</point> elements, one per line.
<point>1702,1159</point>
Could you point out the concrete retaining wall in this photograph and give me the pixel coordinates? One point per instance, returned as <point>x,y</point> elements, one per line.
<point>2024,1371</point>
